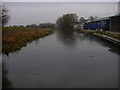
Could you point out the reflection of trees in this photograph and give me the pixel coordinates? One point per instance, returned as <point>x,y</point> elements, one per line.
<point>67,37</point>
<point>67,23</point>
<point>8,53</point>
<point>118,72</point>
<point>6,83</point>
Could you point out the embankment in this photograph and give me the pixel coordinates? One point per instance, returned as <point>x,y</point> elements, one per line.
<point>110,37</point>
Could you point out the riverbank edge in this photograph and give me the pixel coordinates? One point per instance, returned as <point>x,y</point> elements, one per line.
<point>14,46</point>
<point>105,37</point>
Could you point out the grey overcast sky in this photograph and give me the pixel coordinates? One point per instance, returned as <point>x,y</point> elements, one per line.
<point>60,0</point>
<point>42,12</point>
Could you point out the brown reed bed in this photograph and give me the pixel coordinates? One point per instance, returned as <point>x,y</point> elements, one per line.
<point>14,38</point>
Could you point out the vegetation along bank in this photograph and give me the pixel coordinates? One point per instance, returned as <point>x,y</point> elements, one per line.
<point>112,37</point>
<point>14,38</point>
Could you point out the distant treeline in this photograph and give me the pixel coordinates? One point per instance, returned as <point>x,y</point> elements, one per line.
<point>42,25</point>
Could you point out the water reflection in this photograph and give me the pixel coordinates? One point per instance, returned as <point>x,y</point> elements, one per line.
<point>70,39</point>
<point>6,83</point>
<point>0,64</point>
<point>111,47</point>
<point>45,63</point>
<point>67,37</point>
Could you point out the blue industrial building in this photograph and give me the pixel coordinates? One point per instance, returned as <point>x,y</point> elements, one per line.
<point>106,24</point>
<point>97,25</point>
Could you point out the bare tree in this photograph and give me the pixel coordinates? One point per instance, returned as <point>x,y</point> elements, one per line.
<point>82,20</point>
<point>92,18</point>
<point>96,18</point>
<point>4,17</point>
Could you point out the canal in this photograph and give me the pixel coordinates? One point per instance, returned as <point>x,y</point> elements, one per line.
<point>63,61</point>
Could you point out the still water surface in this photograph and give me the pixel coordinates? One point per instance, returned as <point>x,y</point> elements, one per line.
<point>63,61</point>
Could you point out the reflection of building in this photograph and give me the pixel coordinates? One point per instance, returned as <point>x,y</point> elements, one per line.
<point>119,7</point>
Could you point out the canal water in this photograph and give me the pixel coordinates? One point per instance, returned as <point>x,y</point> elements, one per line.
<point>63,61</point>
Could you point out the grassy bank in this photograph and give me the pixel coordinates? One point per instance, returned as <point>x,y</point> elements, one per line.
<point>14,38</point>
<point>113,35</point>
<point>87,31</point>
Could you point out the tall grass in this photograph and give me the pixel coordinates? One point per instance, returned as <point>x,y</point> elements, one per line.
<point>13,38</point>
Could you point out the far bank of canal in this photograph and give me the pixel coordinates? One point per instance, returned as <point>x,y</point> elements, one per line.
<point>111,37</point>
<point>63,60</point>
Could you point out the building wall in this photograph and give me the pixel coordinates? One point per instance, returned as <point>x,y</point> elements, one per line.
<point>115,23</point>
